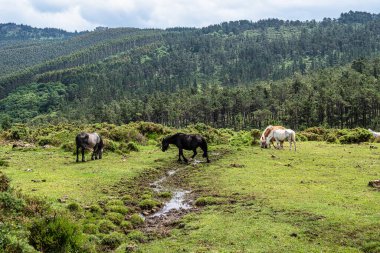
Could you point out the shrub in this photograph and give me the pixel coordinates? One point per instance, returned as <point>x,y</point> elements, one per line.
<point>136,220</point>
<point>55,234</point>
<point>126,226</point>
<point>148,204</point>
<point>137,236</point>
<point>95,209</point>
<point>256,135</point>
<point>91,228</point>
<point>165,195</point>
<point>356,135</point>
<point>48,140</point>
<point>118,209</point>
<point>113,240</point>
<point>110,145</point>
<point>331,138</point>
<point>4,163</point>
<point>115,202</point>
<point>106,226</point>
<point>73,207</point>
<point>301,137</point>
<point>311,136</point>
<point>206,201</point>
<point>69,147</point>
<point>11,203</point>
<point>116,218</point>
<point>129,200</point>
<point>4,182</point>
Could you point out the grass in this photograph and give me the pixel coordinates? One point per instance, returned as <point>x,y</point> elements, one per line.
<point>314,200</point>
<point>55,173</point>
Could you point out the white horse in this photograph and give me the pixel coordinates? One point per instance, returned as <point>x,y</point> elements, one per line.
<point>375,134</point>
<point>280,135</point>
<point>266,133</point>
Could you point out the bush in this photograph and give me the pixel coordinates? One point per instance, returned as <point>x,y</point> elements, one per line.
<point>301,137</point>
<point>4,163</point>
<point>113,240</point>
<point>126,226</point>
<point>11,203</point>
<point>136,220</point>
<point>206,201</point>
<point>4,182</point>
<point>356,135</point>
<point>55,234</point>
<point>73,207</point>
<point>106,226</point>
<point>116,218</point>
<point>256,135</point>
<point>331,138</point>
<point>130,146</point>
<point>137,236</point>
<point>118,209</point>
<point>148,204</point>
<point>91,228</point>
<point>48,140</point>
<point>95,209</point>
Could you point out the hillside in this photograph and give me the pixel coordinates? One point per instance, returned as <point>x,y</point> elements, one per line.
<point>227,75</point>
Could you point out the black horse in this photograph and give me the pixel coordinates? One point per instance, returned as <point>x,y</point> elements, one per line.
<point>188,142</point>
<point>90,141</point>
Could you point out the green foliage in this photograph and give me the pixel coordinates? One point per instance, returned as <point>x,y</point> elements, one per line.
<point>137,236</point>
<point>208,200</point>
<point>136,220</point>
<point>356,135</point>
<point>148,204</point>
<point>116,218</point>
<point>11,203</point>
<point>126,226</point>
<point>106,226</point>
<point>14,240</point>
<point>118,209</point>
<point>73,207</point>
<point>4,163</point>
<point>165,195</point>
<point>113,240</point>
<point>90,228</point>
<point>55,234</point>
<point>4,182</point>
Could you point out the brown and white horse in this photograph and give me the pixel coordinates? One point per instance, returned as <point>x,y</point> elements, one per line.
<point>267,131</point>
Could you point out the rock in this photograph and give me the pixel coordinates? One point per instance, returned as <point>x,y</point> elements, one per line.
<point>236,165</point>
<point>374,183</point>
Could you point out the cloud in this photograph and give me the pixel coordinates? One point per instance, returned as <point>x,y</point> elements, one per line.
<point>87,14</point>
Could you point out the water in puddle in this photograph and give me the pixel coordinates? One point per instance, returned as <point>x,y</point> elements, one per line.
<point>176,202</point>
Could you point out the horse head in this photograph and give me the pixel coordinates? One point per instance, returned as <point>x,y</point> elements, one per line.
<point>165,144</point>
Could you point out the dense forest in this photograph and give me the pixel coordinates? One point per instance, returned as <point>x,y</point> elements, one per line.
<point>239,74</point>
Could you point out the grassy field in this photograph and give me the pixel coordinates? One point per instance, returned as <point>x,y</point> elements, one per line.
<point>253,200</point>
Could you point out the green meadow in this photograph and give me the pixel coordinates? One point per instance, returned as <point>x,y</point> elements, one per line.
<point>247,199</point>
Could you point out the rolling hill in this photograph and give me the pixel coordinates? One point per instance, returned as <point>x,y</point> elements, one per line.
<point>227,75</point>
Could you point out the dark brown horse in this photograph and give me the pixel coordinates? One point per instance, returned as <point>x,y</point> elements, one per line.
<point>187,142</point>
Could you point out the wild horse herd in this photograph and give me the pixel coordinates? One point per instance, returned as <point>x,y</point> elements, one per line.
<point>94,142</point>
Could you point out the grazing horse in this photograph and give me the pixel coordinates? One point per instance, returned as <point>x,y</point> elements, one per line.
<point>187,142</point>
<point>267,131</point>
<point>90,141</point>
<point>375,134</point>
<point>280,135</point>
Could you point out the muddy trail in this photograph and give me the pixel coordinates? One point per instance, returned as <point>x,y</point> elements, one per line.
<point>171,179</point>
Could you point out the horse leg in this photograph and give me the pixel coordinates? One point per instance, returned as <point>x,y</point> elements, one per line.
<point>95,152</point>
<point>195,153</point>
<point>205,154</point>
<point>295,147</point>
<point>77,154</point>
<point>290,145</point>
<point>184,158</point>
<point>83,155</point>
<point>179,155</point>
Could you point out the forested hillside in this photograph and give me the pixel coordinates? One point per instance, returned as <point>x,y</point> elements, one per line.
<point>238,74</point>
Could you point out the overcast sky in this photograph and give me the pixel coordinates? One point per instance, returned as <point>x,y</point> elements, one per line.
<point>87,14</point>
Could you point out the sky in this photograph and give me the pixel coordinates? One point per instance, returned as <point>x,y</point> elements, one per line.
<point>82,15</point>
